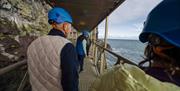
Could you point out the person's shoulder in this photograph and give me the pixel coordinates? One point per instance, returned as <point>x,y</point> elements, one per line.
<point>62,39</point>
<point>56,40</point>
<point>36,41</point>
<point>68,47</point>
<point>118,78</point>
<point>148,81</point>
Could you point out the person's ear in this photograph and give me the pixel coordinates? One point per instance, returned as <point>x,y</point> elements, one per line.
<point>53,25</point>
<point>65,26</point>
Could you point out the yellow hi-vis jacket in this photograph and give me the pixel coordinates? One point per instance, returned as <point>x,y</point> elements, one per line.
<point>127,77</point>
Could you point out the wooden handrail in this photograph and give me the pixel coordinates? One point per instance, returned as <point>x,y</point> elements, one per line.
<point>12,67</point>
<point>120,58</point>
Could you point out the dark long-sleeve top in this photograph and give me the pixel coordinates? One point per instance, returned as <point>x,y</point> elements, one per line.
<point>69,64</point>
<point>159,73</point>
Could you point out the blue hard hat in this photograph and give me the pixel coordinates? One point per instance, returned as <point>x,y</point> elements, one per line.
<point>85,33</point>
<point>59,15</point>
<point>164,21</point>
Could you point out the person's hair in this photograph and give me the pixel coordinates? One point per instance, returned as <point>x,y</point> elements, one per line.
<point>170,62</point>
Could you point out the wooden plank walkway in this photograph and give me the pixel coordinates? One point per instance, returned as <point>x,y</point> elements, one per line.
<point>88,75</point>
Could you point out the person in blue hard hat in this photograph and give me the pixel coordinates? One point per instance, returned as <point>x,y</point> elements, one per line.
<point>81,45</point>
<point>88,41</point>
<point>162,34</point>
<point>52,59</point>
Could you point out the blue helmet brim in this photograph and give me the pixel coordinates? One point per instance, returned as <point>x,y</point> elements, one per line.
<point>169,37</point>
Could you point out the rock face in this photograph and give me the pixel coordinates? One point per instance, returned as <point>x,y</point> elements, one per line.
<point>21,21</point>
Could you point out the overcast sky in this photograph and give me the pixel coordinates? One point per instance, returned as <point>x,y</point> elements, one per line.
<point>126,22</point>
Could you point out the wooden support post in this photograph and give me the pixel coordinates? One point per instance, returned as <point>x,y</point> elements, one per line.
<point>103,56</point>
<point>95,56</point>
<point>94,46</point>
<point>91,34</point>
<point>106,33</point>
<point>23,83</point>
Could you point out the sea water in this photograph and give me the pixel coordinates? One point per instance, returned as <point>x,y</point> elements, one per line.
<point>132,50</point>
